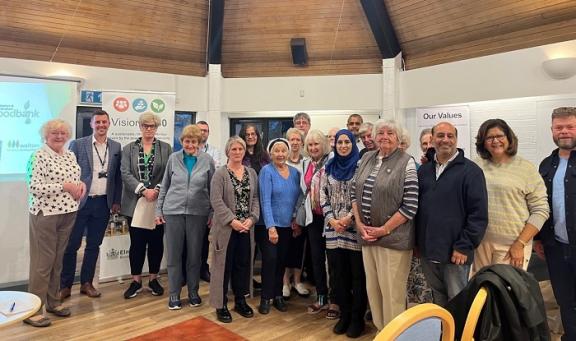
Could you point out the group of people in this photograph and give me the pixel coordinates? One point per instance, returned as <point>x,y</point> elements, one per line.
<point>374,214</point>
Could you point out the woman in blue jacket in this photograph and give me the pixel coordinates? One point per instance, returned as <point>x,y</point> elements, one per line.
<point>184,206</point>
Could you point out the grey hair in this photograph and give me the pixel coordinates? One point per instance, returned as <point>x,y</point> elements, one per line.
<point>293,131</point>
<point>366,127</point>
<point>318,136</point>
<point>231,141</point>
<point>301,115</point>
<point>405,138</point>
<point>425,131</point>
<point>147,117</point>
<point>54,124</point>
<point>391,124</point>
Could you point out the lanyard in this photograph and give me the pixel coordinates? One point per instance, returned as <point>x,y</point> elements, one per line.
<point>102,161</point>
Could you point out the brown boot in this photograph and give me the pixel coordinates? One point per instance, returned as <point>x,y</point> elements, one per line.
<point>89,290</point>
<point>64,293</point>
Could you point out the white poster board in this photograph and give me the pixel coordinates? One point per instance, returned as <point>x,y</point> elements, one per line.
<point>459,116</point>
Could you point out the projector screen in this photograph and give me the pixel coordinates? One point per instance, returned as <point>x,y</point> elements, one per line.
<point>25,104</point>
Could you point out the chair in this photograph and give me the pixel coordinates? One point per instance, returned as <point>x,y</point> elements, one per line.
<point>474,315</point>
<point>416,318</point>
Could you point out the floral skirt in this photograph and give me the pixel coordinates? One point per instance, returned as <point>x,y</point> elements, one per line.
<point>418,290</point>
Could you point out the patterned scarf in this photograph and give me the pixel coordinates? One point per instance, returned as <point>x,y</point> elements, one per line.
<point>145,168</point>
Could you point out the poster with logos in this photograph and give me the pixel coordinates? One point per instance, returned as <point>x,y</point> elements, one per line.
<point>125,108</point>
<point>459,116</point>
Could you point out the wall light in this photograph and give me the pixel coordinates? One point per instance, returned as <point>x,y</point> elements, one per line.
<point>560,68</point>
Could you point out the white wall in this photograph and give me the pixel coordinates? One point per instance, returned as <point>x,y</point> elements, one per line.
<point>354,92</point>
<point>507,75</point>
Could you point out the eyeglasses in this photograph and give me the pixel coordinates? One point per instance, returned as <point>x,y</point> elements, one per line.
<point>495,137</point>
<point>148,126</point>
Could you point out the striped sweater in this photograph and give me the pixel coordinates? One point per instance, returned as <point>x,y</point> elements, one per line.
<point>516,196</point>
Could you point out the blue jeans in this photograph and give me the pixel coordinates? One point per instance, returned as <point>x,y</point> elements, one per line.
<point>561,259</point>
<point>92,218</point>
<point>445,280</point>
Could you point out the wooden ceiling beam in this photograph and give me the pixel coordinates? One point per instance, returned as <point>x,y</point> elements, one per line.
<point>215,31</point>
<point>382,29</point>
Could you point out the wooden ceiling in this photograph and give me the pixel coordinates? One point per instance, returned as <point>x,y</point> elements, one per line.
<point>170,35</point>
<point>433,32</point>
<point>148,35</point>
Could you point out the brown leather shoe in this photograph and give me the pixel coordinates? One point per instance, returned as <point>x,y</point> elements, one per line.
<point>65,293</point>
<point>89,290</point>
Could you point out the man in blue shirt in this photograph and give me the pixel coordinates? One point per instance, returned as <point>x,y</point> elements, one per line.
<point>558,235</point>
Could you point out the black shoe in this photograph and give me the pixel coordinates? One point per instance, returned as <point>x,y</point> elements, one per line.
<point>205,276</point>
<point>355,329</point>
<point>155,287</point>
<point>174,303</point>
<point>133,290</point>
<point>280,304</point>
<point>242,308</point>
<point>341,326</point>
<point>264,307</point>
<point>256,285</point>
<point>223,315</point>
<point>194,300</point>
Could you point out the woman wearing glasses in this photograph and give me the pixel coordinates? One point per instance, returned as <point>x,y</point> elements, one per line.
<point>142,167</point>
<point>517,201</point>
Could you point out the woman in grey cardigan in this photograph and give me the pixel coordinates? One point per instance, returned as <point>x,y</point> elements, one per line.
<point>142,167</point>
<point>184,206</point>
<point>234,198</point>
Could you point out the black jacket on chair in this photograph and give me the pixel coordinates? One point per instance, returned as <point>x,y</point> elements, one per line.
<point>514,308</point>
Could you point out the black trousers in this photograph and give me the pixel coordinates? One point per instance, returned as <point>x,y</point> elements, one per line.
<point>318,253</point>
<point>273,260</point>
<point>142,242</point>
<point>295,252</point>
<point>237,269</point>
<point>561,259</point>
<point>349,282</point>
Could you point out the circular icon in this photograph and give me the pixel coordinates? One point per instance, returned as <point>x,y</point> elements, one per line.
<point>157,105</point>
<point>121,104</point>
<point>139,105</point>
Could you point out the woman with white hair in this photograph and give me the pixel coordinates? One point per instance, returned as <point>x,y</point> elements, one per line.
<point>317,147</point>
<point>384,202</point>
<point>55,189</point>
<point>279,191</point>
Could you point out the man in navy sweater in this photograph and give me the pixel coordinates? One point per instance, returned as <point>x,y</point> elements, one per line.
<point>452,214</point>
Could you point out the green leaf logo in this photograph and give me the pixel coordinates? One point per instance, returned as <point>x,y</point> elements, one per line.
<point>157,106</point>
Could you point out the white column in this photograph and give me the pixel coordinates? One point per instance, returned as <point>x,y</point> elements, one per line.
<point>214,114</point>
<point>390,87</point>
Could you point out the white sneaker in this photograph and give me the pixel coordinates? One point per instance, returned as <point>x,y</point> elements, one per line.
<point>301,289</point>
<point>286,290</point>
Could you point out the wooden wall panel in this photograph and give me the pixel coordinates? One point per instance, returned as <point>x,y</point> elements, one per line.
<point>439,31</point>
<point>161,36</point>
<point>256,40</point>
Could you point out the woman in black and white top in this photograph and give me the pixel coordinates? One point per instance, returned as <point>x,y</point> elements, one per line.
<point>54,185</point>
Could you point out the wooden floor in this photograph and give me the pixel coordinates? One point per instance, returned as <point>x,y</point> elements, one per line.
<point>111,317</point>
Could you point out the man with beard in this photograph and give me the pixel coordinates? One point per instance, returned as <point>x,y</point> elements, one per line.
<point>558,235</point>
